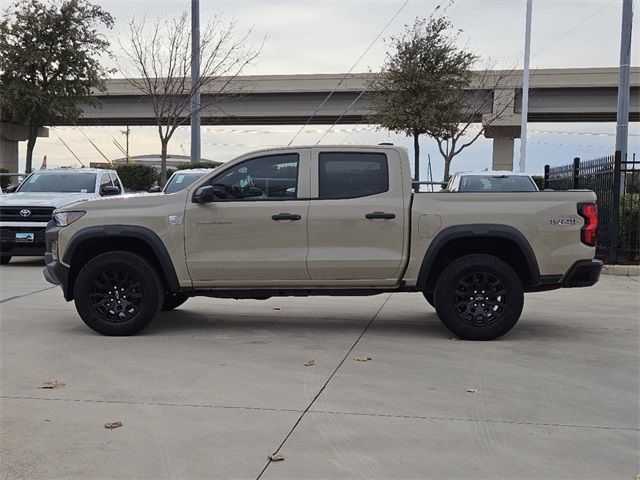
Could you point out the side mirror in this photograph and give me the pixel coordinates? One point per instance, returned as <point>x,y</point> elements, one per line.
<point>204,194</point>
<point>10,189</point>
<point>109,190</point>
<point>255,192</point>
<point>155,189</point>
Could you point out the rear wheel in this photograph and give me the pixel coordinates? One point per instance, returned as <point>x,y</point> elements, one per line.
<point>429,298</point>
<point>118,293</point>
<point>479,297</point>
<point>4,259</point>
<point>173,300</point>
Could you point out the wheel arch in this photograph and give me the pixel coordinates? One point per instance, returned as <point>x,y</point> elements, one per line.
<point>502,241</point>
<point>92,241</point>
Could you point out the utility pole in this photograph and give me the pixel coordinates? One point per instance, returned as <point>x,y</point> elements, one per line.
<point>525,89</point>
<point>195,80</point>
<point>126,134</point>
<point>622,127</point>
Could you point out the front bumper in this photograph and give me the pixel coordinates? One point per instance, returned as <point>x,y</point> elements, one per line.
<point>55,272</point>
<point>583,273</point>
<point>10,247</point>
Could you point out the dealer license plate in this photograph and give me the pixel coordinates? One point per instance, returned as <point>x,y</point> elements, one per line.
<point>24,237</point>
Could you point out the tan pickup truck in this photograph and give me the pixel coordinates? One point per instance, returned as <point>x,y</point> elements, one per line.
<point>330,220</point>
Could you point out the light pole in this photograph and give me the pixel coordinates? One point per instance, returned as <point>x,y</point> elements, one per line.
<point>195,80</point>
<point>525,89</point>
<point>622,127</point>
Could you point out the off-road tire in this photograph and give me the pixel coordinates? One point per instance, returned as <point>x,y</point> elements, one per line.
<point>4,259</point>
<point>494,302</point>
<point>173,300</point>
<point>115,314</point>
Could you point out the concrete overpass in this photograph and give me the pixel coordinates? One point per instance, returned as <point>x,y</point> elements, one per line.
<point>556,95</point>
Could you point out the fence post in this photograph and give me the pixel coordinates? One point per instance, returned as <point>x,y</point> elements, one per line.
<point>576,172</point>
<point>615,209</point>
<point>546,177</point>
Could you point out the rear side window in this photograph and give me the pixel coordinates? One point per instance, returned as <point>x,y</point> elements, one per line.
<point>350,175</point>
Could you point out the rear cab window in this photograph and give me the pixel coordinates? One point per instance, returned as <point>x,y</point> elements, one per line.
<point>497,183</point>
<point>352,174</point>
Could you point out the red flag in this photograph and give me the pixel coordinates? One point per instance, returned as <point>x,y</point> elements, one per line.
<point>44,163</point>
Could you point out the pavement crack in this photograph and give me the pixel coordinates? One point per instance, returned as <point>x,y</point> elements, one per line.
<point>264,469</point>
<point>26,294</point>
<point>476,420</point>
<point>155,404</point>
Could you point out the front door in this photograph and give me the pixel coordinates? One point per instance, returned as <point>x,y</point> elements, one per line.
<point>254,234</point>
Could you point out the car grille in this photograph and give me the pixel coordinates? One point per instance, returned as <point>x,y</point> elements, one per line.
<point>18,214</point>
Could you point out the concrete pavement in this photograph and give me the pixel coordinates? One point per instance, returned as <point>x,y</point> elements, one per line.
<point>214,387</point>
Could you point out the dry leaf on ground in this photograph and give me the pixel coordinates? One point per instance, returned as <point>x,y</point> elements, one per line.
<point>363,359</point>
<point>310,363</point>
<point>277,308</point>
<point>275,457</point>
<point>112,425</point>
<point>472,390</point>
<point>50,384</point>
<point>454,338</point>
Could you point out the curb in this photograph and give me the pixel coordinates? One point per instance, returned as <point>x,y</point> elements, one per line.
<point>621,270</point>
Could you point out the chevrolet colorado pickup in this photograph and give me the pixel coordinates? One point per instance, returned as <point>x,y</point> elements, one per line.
<point>330,220</point>
<point>24,214</point>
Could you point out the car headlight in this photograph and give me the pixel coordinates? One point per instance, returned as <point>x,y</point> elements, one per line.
<point>64,219</point>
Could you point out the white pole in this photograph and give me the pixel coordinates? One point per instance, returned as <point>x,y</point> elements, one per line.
<point>622,128</point>
<point>525,89</point>
<point>195,78</point>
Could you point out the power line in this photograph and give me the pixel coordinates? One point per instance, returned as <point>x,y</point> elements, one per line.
<point>577,25</point>
<point>322,104</point>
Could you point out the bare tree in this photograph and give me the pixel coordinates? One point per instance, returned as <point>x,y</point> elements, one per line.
<point>472,109</point>
<point>158,64</point>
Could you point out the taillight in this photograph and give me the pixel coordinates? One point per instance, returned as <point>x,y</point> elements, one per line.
<point>589,232</point>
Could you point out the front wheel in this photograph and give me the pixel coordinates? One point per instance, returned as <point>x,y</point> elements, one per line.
<point>5,259</point>
<point>118,293</point>
<point>479,297</point>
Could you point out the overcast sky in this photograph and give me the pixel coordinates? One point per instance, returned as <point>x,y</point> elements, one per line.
<point>329,36</point>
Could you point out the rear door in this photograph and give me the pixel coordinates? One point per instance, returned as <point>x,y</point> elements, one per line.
<point>356,216</point>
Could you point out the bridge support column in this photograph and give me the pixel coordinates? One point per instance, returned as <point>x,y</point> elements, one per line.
<point>10,135</point>
<point>502,153</point>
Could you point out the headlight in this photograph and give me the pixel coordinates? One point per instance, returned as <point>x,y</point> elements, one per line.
<point>64,219</point>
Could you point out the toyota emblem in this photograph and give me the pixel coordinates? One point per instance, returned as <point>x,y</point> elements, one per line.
<point>25,212</point>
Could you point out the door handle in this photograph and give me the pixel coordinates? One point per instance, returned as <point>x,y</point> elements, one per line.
<point>285,216</point>
<point>380,215</point>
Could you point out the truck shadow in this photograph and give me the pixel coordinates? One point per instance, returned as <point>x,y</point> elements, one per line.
<point>183,321</point>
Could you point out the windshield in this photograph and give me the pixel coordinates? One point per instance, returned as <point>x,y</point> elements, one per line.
<point>178,181</point>
<point>59,182</point>
<point>498,183</point>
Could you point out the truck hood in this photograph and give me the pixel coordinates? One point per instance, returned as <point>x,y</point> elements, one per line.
<point>131,200</point>
<point>43,199</point>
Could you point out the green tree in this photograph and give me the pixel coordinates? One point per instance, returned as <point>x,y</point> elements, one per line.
<point>49,62</point>
<point>416,91</point>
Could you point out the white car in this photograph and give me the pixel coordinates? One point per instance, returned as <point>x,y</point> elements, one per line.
<point>182,179</point>
<point>24,214</point>
<point>491,181</point>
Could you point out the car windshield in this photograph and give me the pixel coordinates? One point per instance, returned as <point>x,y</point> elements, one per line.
<point>182,180</point>
<point>496,183</point>
<point>69,182</point>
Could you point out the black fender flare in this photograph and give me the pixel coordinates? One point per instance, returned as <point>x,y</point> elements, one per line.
<point>131,231</point>
<point>483,230</point>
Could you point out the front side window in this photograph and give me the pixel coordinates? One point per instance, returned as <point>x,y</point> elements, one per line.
<point>263,178</point>
<point>105,180</point>
<point>59,182</point>
<point>350,175</point>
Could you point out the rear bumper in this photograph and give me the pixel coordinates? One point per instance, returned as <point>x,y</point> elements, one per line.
<point>583,273</point>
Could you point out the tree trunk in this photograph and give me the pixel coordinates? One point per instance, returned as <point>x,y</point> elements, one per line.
<point>31,143</point>
<point>163,163</point>
<point>447,167</point>
<point>416,152</point>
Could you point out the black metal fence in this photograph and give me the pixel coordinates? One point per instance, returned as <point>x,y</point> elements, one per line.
<point>616,182</point>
